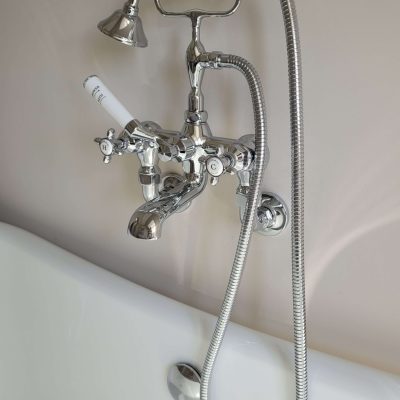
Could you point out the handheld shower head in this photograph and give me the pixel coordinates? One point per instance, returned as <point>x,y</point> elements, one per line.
<point>125,25</point>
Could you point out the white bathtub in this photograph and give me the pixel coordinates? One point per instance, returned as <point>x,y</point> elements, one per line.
<point>70,330</point>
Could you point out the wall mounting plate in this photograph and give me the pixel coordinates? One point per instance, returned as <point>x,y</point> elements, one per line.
<point>272,215</point>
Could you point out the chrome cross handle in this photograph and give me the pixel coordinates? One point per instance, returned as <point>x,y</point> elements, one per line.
<point>110,146</point>
<point>216,165</point>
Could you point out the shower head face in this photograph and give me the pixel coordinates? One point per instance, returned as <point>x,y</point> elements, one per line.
<point>125,26</point>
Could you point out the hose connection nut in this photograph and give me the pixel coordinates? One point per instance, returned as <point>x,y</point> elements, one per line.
<point>150,175</point>
<point>210,60</point>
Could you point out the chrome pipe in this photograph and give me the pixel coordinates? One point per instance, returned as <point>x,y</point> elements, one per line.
<point>147,221</point>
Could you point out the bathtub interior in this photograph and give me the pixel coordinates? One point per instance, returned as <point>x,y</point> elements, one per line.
<point>71,330</point>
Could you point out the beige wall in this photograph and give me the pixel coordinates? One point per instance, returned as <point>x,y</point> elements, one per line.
<point>52,181</point>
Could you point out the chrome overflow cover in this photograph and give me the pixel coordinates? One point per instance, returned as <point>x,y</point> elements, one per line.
<point>184,382</point>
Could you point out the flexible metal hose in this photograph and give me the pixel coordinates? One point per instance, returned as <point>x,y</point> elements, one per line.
<point>257,98</point>
<point>297,144</point>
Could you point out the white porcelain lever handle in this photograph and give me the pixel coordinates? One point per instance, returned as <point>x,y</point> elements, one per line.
<point>105,98</point>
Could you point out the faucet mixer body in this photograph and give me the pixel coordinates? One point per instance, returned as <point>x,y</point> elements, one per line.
<point>201,154</point>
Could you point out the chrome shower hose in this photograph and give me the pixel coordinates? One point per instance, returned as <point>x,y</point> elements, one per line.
<point>297,145</point>
<point>257,98</point>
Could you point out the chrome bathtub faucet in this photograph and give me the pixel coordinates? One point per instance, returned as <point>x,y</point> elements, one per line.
<point>201,154</point>
<point>204,156</point>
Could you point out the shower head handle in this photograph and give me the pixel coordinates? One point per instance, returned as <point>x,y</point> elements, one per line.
<point>196,15</point>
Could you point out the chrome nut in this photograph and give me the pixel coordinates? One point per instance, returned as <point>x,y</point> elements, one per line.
<point>242,157</point>
<point>186,147</point>
<point>167,152</point>
<point>150,176</point>
<point>196,116</point>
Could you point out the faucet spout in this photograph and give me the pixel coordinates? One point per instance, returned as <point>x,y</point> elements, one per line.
<point>146,222</point>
